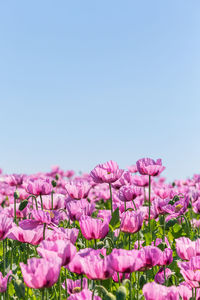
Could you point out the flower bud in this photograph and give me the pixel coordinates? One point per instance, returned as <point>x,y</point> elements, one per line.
<point>121,293</point>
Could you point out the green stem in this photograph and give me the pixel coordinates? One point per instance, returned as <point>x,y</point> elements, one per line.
<point>4,260</point>
<point>52,200</point>
<point>110,187</point>
<point>15,211</point>
<point>149,203</point>
<point>43,294</point>
<point>163,239</point>
<point>66,282</point>
<point>41,202</point>
<point>59,287</point>
<point>44,230</point>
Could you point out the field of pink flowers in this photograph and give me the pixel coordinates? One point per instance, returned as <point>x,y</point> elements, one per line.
<point>111,234</point>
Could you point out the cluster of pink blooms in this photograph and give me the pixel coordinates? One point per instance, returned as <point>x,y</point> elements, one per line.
<point>62,207</point>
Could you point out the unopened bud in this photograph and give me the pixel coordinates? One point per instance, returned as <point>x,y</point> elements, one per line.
<point>54,183</point>
<point>16,195</point>
<point>121,293</point>
<point>110,296</point>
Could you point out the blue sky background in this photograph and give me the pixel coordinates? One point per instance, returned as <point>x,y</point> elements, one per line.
<point>83,82</point>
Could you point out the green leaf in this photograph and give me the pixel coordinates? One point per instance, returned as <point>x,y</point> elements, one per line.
<point>115,218</point>
<point>23,204</point>
<point>170,223</point>
<point>177,228</point>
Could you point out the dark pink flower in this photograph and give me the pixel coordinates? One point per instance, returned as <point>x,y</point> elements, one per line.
<point>191,271</point>
<point>97,268</point>
<point>83,295</point>
<point>78,208</point>
<point>72,285</point>
<point>154,291</point>
<point>4,282</point>
<point>93,228</point>
<point>5,225</point>
<point>148,166</point>
<point>31,236</point>
<point>129,192</point>
<point>38,186</point>
<point>64,250</point>
<point>78,189</point>
<point>14,179</point>
<point>108,172</point>
<point>186,248</point>
<point>161,274</point>
<point>40,273</point>
<point>141,180</point>
<point>125,261</point>
<point>78,262</point>
<point>131,221</point>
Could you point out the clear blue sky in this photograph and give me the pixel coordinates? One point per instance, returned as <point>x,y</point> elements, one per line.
<point>83,82</point>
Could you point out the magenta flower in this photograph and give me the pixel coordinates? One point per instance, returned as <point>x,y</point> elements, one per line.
<point>129,192</point>
<point>78,208</point>
<point>160,275</point>
<point>61,233</point>
<point>42,216</point>
<point>84,295</point>
<point>38,186</point>
<point>78,262</point>
<point>125,261</point>
<point>186,248</point>
<point>97,268</point>
<point>64,250</point>
<point>40,273</point>
<point>185,291</point>
<point>31,236</point>
<point>5,225</point>
<point>154,291</point>
<point>78,189</point>
<point>131,221</point>
<point>71,285</point>
<point>125,179</point>
<point>69,173</point>
<point>4,282</point>
<point>108,172</point>
<point>93,228</point>
<point>58,201</point>
<point>14,179</point>
<point>140,180</point>
<point>148,166</point>
<point>191,271</point>
<point>153,256</point>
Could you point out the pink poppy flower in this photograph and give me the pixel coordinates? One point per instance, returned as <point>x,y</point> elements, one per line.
<point>191,271</point>
<point>78,189</point>
<point>140,180</point>
<point>69,173</point>
<point>78,208</point>
<point>71,285</point>
<point>131,221</point>
<point>148,166</point>
<point>4,282</point>
<point>129,192</point>
<point>153,256</point>
<point>154,291</point>
<point>185,291</point>
<point>108,172</point>
<point>38,186</point>
<point>186,248</point>
<point>40,273</point>
<point>60,233</point>
<point>31,236</point>
<point>83,295</point>
<point>42,216</point>
<point>93,228</point>
<point>121,275</point>
<point>58,201</point>
<point>125,261</point>
<point>78,262</point>
<point>14,179</point>
<point>160,275</point>
<point>125,179</point>
<point>5,225</point>
<point>97,268</point>
<point>65,251</point>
